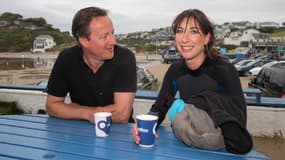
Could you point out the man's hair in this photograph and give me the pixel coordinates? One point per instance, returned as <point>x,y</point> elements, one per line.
<point>82,19</point>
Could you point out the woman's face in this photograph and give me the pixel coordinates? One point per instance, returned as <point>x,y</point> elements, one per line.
<point>190,40</point>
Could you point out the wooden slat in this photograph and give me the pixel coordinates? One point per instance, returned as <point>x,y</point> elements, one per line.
<point>32,137</point>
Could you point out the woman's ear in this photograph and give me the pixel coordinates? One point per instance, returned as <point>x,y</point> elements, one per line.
<point>207,38</point>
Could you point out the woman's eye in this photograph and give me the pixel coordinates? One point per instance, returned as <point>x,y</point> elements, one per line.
<point>179,31</point>
<point>194,31</point>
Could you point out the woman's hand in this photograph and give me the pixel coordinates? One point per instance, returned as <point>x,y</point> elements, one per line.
<point>136,137</point>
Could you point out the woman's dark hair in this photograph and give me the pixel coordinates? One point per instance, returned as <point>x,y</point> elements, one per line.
<point>204,24</point>
<point>82,19</point>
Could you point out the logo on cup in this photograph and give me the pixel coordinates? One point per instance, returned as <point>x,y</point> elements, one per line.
<point>104,125</point>
<point>143,130</point>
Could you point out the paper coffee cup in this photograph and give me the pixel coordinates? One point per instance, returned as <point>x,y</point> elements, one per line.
<point>146,125</point>
<point>102,123</point>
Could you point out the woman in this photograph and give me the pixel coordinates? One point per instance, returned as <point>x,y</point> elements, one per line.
<point>208,85</point>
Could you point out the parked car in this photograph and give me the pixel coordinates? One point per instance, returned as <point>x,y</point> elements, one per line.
<point>171,56</point>
<point>144,78</point>
<point>235,60</point>
<point>254,71</point>
<point>242,63</point>
<point>249,64</point>
<point>271,81</point>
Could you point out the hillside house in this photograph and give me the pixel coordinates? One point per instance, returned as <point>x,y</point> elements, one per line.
<point>43,42</point>
<point>235,38</point>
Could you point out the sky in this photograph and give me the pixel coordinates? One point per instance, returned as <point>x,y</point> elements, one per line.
<point>143,15</point>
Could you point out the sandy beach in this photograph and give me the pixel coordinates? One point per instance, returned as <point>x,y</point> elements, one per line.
<point>26,74</point>
<point>33,75</point>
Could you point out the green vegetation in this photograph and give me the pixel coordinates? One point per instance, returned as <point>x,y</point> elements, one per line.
<point>10,16</point>
<point>18,34</point>
<point>279,32</point>
<point>9,108</point>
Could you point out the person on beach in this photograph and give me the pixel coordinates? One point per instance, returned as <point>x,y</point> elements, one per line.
<point>97,74</point>
<point>211,112</point>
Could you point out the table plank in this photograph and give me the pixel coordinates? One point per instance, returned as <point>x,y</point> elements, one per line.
<point>63,138</point>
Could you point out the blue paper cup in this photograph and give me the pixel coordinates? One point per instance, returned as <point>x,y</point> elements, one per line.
<point>146,128</point>
<point>102,123</point>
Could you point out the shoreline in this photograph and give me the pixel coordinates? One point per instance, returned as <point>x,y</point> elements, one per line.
<point>52,54</point>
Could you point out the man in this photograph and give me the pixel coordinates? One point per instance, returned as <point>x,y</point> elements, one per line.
<point>97,74</point>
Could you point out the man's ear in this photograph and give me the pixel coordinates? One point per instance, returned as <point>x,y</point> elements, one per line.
<point>83,41</point>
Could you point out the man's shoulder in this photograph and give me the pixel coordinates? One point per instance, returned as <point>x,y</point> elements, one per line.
<point>123,53</point>
<point>71,50</point>
<point>70,55</point>
<point>122,50</point>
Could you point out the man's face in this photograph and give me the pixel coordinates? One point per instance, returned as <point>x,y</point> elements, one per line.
<point>101,41</point>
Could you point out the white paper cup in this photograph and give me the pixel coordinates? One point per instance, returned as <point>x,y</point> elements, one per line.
<point>146,128</point>
<point>102,123</point>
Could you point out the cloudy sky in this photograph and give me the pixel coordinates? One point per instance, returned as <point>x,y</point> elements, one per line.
<point>143,15</point>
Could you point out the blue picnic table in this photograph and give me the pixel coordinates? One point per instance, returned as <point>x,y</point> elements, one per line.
<point>39,137</point>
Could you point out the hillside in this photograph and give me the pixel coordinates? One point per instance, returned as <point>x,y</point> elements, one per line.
<point>278,33</point>
<point>17,34</point>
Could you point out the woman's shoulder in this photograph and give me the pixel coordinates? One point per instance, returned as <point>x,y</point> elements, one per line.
<point>177,68</point>
<point>223,63</point>
<point>179,65</point>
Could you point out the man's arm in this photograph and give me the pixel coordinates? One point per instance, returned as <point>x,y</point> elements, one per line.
<point>121,109</point>
<point>55,106</point>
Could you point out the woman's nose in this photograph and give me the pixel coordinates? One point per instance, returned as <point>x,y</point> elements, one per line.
<point>185,37</point>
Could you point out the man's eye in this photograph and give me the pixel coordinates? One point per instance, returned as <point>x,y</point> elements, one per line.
<point>104,37</point>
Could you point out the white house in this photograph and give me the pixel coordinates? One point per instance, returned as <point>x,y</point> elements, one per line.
<point>237,37</point>
<point>43,42</point>
<point>267,25</point>
<point>221,31</point>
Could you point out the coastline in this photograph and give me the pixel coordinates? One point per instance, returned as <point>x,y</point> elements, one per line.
<point>52,54</point>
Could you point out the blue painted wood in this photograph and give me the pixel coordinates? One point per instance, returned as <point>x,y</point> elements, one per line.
<point>43,137</point>
<point>256,100</point>
<point>144,94</point>
<point>255,91</point>
<point>8,158</point>
<point>23,87</point>
<point>266,102</point>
